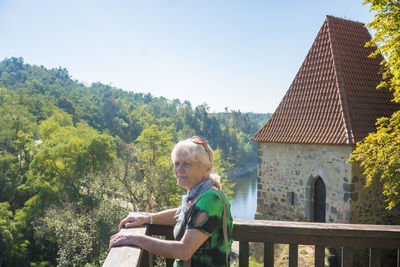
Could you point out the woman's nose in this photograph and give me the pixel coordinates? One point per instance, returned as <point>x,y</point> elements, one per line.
<point>179,168</point>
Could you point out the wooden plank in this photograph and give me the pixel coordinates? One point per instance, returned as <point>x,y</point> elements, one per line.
<point>145,259</point>
<point>126,255</point>
<point>170,262</point>
<point>268,254</point>
<point>163,230</point>
<point>326,240</point>
<point>243,254</point>
<point>293,255</point>
<point>347,257</point>
<point>150,261</point>
<point>316,226</point>
<point>319,256</point>
<point>377,236</point>
<point>374,257</point>
<point>398,257</point>
<point>318,229</point>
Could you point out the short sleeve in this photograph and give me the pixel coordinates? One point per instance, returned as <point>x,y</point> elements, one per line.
<point>209,202</point>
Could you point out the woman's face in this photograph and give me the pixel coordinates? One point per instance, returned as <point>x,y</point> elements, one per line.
<point>189,172</point>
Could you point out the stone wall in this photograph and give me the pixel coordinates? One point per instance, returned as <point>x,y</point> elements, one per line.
<point>368,203</point>
<point>286,175</point>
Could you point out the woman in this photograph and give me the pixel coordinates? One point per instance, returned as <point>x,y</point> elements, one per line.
<point>203,222</point>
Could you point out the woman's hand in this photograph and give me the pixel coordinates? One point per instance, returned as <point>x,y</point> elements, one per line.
<point>134,220</point>
<point>123,240</point>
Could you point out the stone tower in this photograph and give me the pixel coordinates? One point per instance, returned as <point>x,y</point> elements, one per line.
<point>332,103</point>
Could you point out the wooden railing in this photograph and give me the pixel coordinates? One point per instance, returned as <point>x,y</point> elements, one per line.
<point>321,235</point>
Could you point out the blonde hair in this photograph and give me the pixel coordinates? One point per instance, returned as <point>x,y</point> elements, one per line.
<point>199,152</point>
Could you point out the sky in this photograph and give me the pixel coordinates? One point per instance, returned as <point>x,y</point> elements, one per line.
<point>235,54</point>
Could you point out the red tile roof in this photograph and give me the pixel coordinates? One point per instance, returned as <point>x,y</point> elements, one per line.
<point>333,98</point>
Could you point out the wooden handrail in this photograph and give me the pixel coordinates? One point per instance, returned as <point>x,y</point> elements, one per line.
<point>321,235</point>
<point>126,255</point>
<point>328,234</point>
<point>134,256</point>
<point>347,236</point>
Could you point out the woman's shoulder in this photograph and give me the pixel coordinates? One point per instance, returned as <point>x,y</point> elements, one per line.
<point>213,193</point>
<point>212,198</point>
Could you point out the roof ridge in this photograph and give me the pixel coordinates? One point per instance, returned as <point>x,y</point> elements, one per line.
<point>339,84</point>
<point>347,20</point>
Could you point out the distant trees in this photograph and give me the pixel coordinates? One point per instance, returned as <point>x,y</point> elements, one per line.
<point>379,153</point>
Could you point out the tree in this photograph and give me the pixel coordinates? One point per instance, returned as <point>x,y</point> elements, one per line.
<point>58,175</point>
<point>84,239</point>
<point>159,183</point>
<point>387,39</point>
<point>66,156</point>
<point>222,167</point>
<point>17,127</point>
<point>379,153</point>
<point>12,245</point>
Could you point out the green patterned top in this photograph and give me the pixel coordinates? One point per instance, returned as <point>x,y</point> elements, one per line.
<point>212,251</point>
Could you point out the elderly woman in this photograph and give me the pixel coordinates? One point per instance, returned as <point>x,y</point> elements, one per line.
<point>203,222</point>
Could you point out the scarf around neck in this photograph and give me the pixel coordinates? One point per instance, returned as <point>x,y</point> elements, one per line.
<point>196,191</point>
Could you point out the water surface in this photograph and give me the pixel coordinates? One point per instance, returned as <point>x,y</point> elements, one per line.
<point>244,202</point>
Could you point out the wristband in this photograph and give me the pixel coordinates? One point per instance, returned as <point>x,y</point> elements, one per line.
<point>151,217</point>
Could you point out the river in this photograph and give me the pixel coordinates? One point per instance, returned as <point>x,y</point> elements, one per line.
<point>244,203</point>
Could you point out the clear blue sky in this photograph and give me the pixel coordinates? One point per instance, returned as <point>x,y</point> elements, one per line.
<point>227,53</point>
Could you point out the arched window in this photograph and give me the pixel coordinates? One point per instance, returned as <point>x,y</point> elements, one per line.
<point>319,200</point>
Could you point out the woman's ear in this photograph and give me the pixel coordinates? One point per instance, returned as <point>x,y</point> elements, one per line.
<point>208,169</point>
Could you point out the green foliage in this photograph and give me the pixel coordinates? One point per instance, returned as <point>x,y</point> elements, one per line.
<point>65,157</point>
<point>379,152</point>
<point>145,171</point>
<point>154,148</point>
<point>126,114</point>
<point>13,247</point>
<point>17,130</point>
<point>222,167</point>
<point>57,120</point>
<point>51,171</point>
<point>252,263</point>
<point>82,230</point>
<point>386,25</point>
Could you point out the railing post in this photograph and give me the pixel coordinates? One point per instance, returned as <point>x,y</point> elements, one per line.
<point>319,256</point>
<point>169,262</point>
<point>347,257</point>
<point>293,255</point>
<point>243,254</point>
<point>268,254</point>
<point>145,259</point>
<point>374,257</point>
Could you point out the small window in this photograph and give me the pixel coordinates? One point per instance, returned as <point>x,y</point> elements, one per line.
<point>292,198</point>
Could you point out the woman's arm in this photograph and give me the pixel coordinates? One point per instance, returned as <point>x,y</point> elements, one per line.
<point>138,219</point>
<point>183,249</point>
<point>165,217</point>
